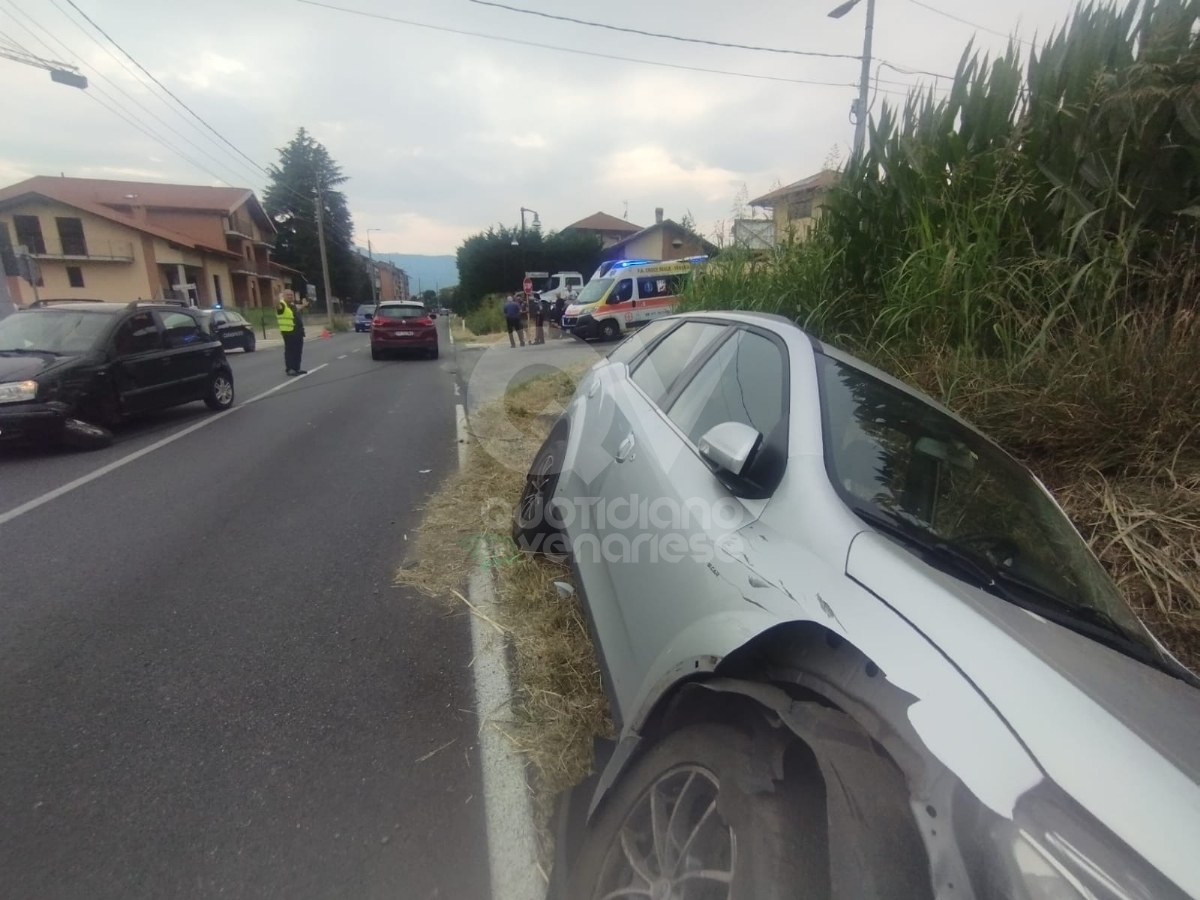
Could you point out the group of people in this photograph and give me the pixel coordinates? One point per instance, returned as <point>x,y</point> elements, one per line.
<point>520,307</point>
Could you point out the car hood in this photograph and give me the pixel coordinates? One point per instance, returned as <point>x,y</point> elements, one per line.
<point>1121,737</point>
<point>26,365</point>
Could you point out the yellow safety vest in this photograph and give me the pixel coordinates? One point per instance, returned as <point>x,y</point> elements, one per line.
<point>287,318</point>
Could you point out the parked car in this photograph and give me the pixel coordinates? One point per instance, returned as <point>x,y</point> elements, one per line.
<point>363,316</point>
<point>232,328</point>
<point>71,370</point>
<point>403,327</point>
<point>851,647</point>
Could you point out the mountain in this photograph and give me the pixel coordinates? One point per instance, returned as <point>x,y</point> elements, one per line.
<point>429,271</point>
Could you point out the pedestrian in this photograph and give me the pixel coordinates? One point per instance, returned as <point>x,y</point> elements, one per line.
<point>539,319</point>
<point>291,329</point>
<point>523,302</point>
<point>560,308</point>
<point>512,318</point>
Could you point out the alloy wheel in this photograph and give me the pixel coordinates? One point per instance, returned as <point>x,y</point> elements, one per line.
<point>222,390</point>
<point>534,502</point>
<point>673,844</point>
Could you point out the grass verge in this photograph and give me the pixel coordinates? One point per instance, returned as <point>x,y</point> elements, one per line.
<point>559,704</point>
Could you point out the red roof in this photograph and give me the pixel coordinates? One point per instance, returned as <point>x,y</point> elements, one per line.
<point>822,181</point>
<point>602,221</point>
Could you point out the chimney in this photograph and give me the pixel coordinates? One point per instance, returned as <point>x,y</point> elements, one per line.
<point>658,215</point>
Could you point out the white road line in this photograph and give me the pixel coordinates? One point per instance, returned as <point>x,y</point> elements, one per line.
<point>343,356</point>
<point>512,849</point>
<point>450,330</point>
<point>138,454</point>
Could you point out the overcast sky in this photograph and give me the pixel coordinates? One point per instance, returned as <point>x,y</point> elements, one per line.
<point>443,134</point>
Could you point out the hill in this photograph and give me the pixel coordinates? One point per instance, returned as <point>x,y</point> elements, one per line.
<point>429,271</point>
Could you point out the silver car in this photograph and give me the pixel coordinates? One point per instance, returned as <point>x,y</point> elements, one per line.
<point>852,648</point>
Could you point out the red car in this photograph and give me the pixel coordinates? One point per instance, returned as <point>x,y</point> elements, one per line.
<point>403,326</point>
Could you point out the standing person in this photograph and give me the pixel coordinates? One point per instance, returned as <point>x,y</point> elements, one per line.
<point>539,319</point>
<point>560,308</point>
<point>291,329</point>
<point>523,303</point>
<point>512,318</point>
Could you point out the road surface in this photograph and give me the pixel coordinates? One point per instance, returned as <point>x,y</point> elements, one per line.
<point>209,686</point>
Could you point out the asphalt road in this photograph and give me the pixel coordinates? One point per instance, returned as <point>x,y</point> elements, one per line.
<point>209,686</point>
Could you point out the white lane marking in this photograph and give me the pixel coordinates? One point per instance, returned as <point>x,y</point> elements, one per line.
<point>145,451</point>
<point>450,330</point>
<point>512,850</point>
<point>343,356</point>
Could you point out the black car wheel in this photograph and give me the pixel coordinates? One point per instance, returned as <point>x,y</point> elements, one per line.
<point>686,821</point>
<point>433,353</point>
<point>376,353</point>
<point>220,391</point>
<point>251,343</point>
<point>610,330</point>
<point>533,528</point>
<point>83,435</point>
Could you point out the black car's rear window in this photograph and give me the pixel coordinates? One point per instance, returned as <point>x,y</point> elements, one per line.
<point>61,331</point>
<point>402,312</point>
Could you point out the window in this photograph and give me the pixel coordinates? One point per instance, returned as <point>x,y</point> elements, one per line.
<point>29,233</point>
<point>182,330</point>
<point>70,235</point>
<point>75,276</point>
<point>625,351</point>
<point>574,280</point>
<point>658,372</point>
<point>138,334</point>
<point>8,258</point>
<point>742,382</point>
<point>623,292</point>
<point>800,209</point>
<point>402,312</point>
<point>217,290</point>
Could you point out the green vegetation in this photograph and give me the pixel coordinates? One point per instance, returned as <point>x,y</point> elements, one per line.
<point>489,262</point>
<point>488,316</point>
<point>1025,249</point>
<point>256,316</point>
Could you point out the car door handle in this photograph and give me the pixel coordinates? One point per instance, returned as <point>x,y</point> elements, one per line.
<point>625,451</point>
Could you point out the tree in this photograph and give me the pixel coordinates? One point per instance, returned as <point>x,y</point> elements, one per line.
<point>290,200</point>
<point>490,262</point>
<point>430,296</point>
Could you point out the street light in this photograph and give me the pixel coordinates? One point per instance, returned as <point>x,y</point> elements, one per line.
<point>536,222</point>
<point>860,108</point>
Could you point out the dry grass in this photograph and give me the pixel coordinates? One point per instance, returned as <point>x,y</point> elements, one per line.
<point>559,704</point>
<point>463,335</point>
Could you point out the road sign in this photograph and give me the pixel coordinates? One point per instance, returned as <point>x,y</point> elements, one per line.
<point>528,285</point>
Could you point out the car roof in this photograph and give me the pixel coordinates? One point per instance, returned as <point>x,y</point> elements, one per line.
<point>84,305</point>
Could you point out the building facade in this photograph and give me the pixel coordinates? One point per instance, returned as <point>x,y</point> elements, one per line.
<point>120,241</point>
<point>610,229</point>
<point>664,239</point>
<point>796,207</point>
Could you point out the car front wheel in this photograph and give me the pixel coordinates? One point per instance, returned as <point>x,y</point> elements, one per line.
<point>251,343</point>
<point>609,330</point>
<point>533,526</point>
<point>686,821</point>
<point>220,391</point>
<point>82,435</point>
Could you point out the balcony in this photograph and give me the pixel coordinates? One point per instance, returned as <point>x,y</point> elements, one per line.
<point>236,226</point>
<point>243,267</point>
<point>94,251</point>
<point>264,268</point>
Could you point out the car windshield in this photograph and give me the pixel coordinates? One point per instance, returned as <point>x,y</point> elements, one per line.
<point>52,331</point>
<point>366,310</point>
<point>901,462</point>
<point>402,312</point>
<point>594,290</point>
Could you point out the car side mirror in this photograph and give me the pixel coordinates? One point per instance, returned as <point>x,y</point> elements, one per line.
<point>729,446</point>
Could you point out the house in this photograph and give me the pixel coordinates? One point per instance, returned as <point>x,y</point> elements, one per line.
<point>662,240</point>
<point>389,281</point>
<point>126,240</point>
<point>609,228</point>
<point>796,207</point>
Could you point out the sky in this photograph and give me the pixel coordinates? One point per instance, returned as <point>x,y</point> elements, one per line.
<point>444,134</point>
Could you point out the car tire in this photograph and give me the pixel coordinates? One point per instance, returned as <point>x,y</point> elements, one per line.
<point>251,344</point>
<point>376,354</point>
<point>768,835</point>
<point>433,354</point>
<point>609,330</point>
<point>220,394</point>
<point>532,530</point>
<point>81,435</point>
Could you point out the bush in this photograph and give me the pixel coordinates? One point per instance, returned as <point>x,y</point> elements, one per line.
<point>488,317</point>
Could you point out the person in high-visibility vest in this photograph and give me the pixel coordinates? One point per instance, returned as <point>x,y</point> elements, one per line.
<point>291,329</point>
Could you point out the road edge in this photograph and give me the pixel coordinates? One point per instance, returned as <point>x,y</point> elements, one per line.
<point>512,841</point>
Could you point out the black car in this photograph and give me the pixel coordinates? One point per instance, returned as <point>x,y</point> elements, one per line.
<point>232,328</point>
<point>71,370</point>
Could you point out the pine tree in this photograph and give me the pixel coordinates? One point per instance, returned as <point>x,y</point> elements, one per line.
<point>291,201</point>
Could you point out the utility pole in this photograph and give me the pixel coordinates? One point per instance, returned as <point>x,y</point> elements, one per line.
<point>864,81</point>
<point>324,258</point>
<point>371,256</point>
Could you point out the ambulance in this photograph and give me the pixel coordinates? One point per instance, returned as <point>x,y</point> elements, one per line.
<point>630,294</point>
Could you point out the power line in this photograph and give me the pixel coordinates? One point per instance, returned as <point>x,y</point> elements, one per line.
<point>218,160</point>
<point>575,50</point>
<point>129,116</point>
<point>656,34</point>
<point>150,75</point>
<point>942,12</point>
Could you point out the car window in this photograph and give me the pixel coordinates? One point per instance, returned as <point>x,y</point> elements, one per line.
<point>742,382</point>
<point>629,348</point>
<point>402,312</point>
<point>138,334</point>
<point>658,372</point>
<point>54,331</point>
<point>623,292</point>
<point>181,329</point>
<point>366,310</point>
